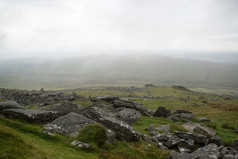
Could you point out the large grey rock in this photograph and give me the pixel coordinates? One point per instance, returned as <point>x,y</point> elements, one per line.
<point>128,115</point>
<point>132,105</point>
<point>80,144</point>
<point>162,112</point>
<point>65,108</point>
<point>123,130</point>
<point>33,116</point>
<point>10,105</point>
<point>197,128</point>
<point>207,152</point>
<point>68,125</point>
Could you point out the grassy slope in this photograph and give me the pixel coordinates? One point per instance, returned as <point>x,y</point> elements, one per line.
<point>27,141</point>
<point>23,140</point>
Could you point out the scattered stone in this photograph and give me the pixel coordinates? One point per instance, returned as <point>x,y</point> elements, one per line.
<point>197,128</point>
<point>80,144</point>
<point>175,117</point>
<point>33,116</point>
<point>187,145</point>
<point>207,152</point>
<point>165,128</point>
<point>161,146</point>
<point>162,112</point>
<point>146,138</point>
<point>180,111</point>
<point>227,152</point>
<point>203,119</point>
<point>235,144</point>
<point>152,130</point>
<point>197,138</point>
<point>186,116</point>
<point>177,155</point>
<point>216,140</point>
<point>173,141</point>
<point>163,137</point>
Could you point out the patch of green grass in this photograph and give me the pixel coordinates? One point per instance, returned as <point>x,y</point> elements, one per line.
<point>93,134</point>
<point>13,146</point>
<point>84,103</point>
<point>32,143</point>
<point>144,122</point>
<point>44,146</point>
<point>133,150</point>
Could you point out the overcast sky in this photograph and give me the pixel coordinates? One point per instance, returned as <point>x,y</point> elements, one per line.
<point>31,28</point>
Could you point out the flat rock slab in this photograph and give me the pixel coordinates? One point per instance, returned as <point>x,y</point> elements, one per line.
<point>65,108</point>
<point>107,98</point>
<point>33,116</point>
<point>10,105</point>
<point>197,128</point>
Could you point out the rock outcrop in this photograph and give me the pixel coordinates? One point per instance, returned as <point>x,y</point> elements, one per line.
<point>68,125</point>
<point>10,105</point>
<point>105,117</point>
<point>33,116</point>
<point>197,128</point>
<point>65,108</point>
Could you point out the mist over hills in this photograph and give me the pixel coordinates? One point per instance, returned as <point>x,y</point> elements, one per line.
<point>133,69</point>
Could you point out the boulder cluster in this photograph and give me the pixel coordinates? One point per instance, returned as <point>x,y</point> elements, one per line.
<point>116,116</point>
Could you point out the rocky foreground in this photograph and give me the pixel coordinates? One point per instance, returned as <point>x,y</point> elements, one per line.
<point>116,115</point>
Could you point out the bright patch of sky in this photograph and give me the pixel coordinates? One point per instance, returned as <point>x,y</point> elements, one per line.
<point>30,28</point>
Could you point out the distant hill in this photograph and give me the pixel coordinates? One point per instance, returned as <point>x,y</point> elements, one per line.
<point>136,69</point>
